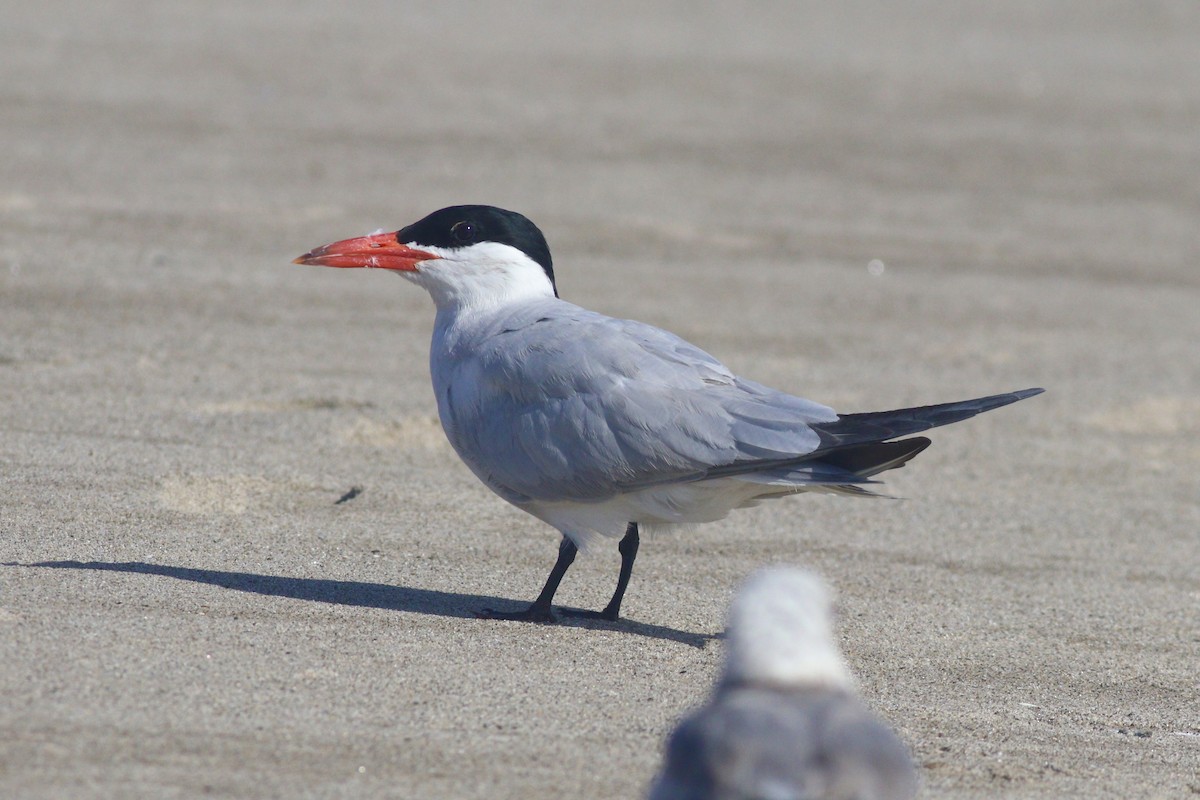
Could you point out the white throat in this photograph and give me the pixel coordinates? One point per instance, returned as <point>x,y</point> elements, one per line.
<point>479,277</point>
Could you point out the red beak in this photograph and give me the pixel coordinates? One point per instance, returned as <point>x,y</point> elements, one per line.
<point>379,251</point>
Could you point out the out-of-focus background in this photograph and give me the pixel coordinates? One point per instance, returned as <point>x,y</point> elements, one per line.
<point>869,204</point>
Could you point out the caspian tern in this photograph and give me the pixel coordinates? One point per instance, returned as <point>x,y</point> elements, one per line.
<point>598,425</point>
<point>783,720</point>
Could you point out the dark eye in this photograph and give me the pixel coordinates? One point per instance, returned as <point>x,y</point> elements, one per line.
<point>463,232</point>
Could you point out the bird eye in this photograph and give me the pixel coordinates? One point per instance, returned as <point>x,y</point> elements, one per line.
<point>463,232</point>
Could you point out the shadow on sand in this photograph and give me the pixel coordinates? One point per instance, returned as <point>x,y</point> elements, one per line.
<point>368,595</point>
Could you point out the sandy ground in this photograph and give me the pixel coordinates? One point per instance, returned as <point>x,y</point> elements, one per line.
<point>185,610</point>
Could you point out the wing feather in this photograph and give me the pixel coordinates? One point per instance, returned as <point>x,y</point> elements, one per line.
<point>553,402</point>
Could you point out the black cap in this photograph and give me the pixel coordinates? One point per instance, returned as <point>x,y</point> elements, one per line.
<point>462,226</point>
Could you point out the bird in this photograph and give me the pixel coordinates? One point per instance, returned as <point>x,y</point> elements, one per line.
<point>602,427</point>
<point>784,721</point>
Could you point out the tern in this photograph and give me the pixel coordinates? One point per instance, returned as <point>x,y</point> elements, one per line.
<point>784,720</point>
<point>602,426</point>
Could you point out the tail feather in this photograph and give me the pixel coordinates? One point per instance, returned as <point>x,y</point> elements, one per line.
<point>845,471</point>
<point>865,460</point>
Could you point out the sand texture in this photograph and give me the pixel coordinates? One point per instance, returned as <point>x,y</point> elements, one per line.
<point>869,204</point>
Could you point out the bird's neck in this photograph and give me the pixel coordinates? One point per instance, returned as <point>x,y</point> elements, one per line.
<point>467,302</point>
<point>467,324</point>
<point>488,281</point>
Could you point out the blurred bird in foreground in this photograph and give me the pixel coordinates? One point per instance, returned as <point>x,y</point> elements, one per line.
<point>784,722</point>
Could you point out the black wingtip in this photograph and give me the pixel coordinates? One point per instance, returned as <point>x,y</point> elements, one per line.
<point>983,404</point>
<point>880,426</point>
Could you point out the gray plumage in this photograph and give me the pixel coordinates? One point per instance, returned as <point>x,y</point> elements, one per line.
<point>784,722</point>
<point>551,401</point>
<point>601,426</point>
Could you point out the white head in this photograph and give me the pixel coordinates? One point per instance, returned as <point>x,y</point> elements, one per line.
<point>465,256</point>
<point>780,633</point>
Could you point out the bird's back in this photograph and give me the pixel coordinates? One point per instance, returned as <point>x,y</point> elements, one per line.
<point>761,744</point>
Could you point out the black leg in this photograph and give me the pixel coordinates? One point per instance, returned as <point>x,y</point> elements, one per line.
<point>628,549</point>
<point>539,610</point>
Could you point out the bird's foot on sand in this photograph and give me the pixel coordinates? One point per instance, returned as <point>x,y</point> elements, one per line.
<point>582,613</point>
<point>532,614</point>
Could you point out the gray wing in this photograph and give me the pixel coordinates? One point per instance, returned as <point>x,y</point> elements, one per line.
<point>754,743</point>
<point>557,402</point>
